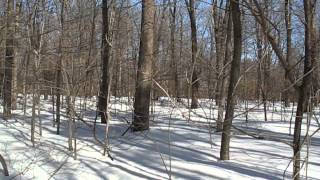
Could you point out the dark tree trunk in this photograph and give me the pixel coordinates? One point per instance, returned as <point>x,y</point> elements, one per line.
<point>105,58</point>
<point>9,61</point>
<point>59,69</point>
<point>305,88</point>
<point>174,65</point>
<point>288,56</point>
<point>260,55</point>
<point>181,30</point>
<point>194,50</point>
<point>16,19</point>
<point>266,84</point>
<point>234,77</point>
<point>144,74</point>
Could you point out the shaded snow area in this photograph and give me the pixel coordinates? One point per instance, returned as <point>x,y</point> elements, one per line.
<point>176,145</point>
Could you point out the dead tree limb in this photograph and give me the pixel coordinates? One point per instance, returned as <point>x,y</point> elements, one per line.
<point>4,166</point>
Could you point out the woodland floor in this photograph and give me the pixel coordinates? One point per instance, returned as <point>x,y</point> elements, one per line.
<point>174,146</point>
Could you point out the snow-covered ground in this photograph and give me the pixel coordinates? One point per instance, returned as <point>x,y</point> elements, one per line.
<point>174,146</point>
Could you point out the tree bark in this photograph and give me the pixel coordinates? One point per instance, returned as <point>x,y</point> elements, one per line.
<point>260,55</point>
<point>105,58</point>
<point>223,78</point>
<point>288,56</point>
<point>234,77</point>
<point>174,65</point>
<point>220,25</point>
<point>305,88</point>
<point>14,65</point>
<point>59,69</point>
<point>9,61</point>
<point>194,50</point>
<point>144,73</point>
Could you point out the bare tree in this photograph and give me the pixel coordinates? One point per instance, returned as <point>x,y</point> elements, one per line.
<point>305,88</point>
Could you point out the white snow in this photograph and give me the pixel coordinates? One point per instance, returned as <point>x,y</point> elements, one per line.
<point>183,143</point>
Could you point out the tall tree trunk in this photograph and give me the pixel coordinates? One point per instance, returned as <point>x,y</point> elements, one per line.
<point>223,79</point>
<point>220,25</point>
<point>87,87</point>
<point>259,61</point>
<point>33,115</point>
<point>118,54</point>
<point>9,61</point>
<point>14,65</point>
<point>174,65</point>
<point>25,86</point>
<point>263,69</point>
<point>194,50</point>
<point>105,58</point>
<point>181,30</point>
<point>143,84</point>
<point>305,88</point>
<point>288,56</point>
<point>59,68</point>
<point>234,77</point>
<point>265,88</point>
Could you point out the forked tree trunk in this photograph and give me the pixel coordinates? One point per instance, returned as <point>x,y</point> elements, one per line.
<point>234,77</point>
<point>144,74</point>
